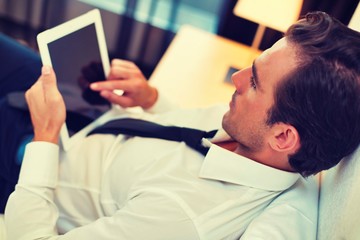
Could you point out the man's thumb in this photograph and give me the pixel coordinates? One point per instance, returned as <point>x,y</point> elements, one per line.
<point>46,70</point>
<point>48,80</point>
<point>48,76</point>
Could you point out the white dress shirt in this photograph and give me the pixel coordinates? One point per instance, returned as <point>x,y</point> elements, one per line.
<point>119,187</point>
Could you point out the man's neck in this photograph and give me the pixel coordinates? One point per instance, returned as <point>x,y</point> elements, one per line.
<point>228,145</point>
<point>267,158</point>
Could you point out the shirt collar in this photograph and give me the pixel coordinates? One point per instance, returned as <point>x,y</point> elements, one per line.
<point>221,164</point>
<point>220,136</point>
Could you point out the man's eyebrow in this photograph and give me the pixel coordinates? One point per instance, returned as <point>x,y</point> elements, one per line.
<point>255,75</point>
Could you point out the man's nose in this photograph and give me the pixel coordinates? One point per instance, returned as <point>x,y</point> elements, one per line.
<point>236,79</point>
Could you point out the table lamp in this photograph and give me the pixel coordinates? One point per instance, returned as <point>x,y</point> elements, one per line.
<point>355,20</point>
<point>275,14</point>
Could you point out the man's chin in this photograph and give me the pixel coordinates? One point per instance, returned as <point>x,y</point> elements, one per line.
<point>226,123</point>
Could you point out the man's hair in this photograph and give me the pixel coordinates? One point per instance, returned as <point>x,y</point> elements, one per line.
<point>321,97</point>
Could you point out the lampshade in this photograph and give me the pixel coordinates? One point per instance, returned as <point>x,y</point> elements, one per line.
<point>355,20</point>
<point>276,14</point>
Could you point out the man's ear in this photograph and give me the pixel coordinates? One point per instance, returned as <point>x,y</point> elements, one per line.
<point>285,138</point>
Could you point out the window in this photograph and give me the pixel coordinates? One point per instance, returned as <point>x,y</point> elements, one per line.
<point>167,14</point>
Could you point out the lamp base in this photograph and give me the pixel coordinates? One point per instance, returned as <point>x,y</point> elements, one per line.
<point>258,36</point>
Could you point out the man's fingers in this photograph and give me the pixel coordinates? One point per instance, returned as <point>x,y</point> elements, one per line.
<point>112,85</point>
<point>123,72</point>
<point>35,91</point>
<point>47,108</point>
<point>123,63</point>
<point>44,89</point>
<point>117,99</point>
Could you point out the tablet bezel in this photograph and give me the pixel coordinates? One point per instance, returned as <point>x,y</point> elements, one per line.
<point>50,35</point>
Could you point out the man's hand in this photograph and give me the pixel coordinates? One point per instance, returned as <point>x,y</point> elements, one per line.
<point>47,107</point>
<point>126,76</point>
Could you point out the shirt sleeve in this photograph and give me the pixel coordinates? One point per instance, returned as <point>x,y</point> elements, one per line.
<point>149,216</point>
<point>32,214</point>
<point>163,104</point>
<point>281,222</point>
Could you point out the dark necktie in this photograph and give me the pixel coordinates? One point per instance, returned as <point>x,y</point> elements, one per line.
<point>136,127</point>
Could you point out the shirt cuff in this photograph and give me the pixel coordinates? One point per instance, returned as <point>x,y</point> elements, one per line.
<point>40,165</point>
<point>162,104</point>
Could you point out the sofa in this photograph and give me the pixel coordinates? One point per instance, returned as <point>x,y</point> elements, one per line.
<point>339,210</point>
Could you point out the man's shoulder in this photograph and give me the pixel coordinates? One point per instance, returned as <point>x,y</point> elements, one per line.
<point>302,196</point>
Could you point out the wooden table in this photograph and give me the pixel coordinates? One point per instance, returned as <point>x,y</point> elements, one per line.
<point>193,69</point>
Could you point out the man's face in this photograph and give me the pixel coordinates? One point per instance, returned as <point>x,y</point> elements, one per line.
<point>246,119</point>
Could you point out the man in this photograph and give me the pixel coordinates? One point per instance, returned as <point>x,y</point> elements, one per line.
<point>297,109</point>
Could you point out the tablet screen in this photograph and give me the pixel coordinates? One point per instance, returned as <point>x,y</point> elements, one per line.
<point>77,62</point>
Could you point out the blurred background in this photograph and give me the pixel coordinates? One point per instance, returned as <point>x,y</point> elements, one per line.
<point>141,30</point>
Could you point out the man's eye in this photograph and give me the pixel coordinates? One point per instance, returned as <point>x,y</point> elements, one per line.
<point>252,82</point>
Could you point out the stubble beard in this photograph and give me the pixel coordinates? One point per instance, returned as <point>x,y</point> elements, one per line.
<point>250,140</point>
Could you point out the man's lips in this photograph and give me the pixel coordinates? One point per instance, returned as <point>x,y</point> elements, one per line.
<point>233,98</point>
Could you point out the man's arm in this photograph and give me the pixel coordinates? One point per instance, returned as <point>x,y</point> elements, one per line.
<point>38,178</point>
<point>31,212</point>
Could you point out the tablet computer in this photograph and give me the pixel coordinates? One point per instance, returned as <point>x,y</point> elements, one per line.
<point>78,54</point>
